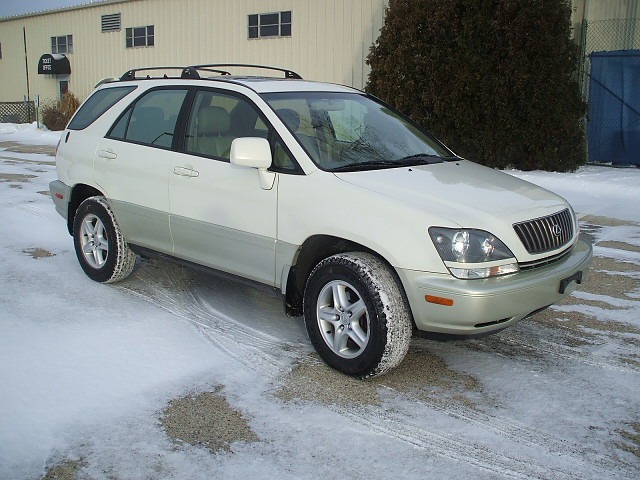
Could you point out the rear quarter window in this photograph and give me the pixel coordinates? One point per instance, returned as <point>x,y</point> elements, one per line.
<point>96,105</point>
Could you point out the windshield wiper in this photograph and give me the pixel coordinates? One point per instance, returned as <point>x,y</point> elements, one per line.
<point>370,165</point>
<point>417,159</point>
<point>423,159</point>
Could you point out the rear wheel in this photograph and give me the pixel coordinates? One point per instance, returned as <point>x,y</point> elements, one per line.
<point>356,314</point>
<point>100,247</point>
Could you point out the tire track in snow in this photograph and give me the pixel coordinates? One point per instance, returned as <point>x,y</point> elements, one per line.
<point>444,445</point>
<point>524,435</point>
<point>49,214</point>
<point>171,288</point>
<point>555,350</point>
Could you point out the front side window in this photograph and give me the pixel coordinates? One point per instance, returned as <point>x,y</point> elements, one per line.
<point>96,105</point>
<point>265,25</point>
<point>217,119</point>
<point>152,119</point>
<point>140,36</point>
<point>345,131</point>
<point>62,44</point>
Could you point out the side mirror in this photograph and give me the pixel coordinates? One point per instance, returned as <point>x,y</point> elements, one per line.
<point>254,152</point>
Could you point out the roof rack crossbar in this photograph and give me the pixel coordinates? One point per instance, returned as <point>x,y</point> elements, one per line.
<point>221,72</point>
<point>287,73</point>
<point>131,74</point>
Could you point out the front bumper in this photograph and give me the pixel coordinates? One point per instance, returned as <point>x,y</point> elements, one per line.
<point>485,306</point>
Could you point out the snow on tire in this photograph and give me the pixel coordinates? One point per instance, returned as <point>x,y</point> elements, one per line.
<point>357,315</point>
<point>100,246</point>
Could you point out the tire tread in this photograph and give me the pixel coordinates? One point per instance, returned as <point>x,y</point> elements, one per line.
<point>390,302</point>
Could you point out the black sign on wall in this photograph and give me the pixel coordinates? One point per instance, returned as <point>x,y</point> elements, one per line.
<point>54,64</point>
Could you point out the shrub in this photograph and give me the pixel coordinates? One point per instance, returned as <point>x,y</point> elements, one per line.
<point>495,80</point>
<point>56,114</point>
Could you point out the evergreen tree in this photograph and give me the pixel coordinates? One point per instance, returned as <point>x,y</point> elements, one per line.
<point>495,80</point>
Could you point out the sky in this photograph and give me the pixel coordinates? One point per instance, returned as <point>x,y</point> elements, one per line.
<point>10,8</point>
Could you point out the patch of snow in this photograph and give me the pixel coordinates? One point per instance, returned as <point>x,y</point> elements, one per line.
<point>594,190</point>
<point>28,133</point>
<point>85,368</point>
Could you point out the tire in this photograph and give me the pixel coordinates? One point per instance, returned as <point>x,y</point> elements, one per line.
<point>100,247</point>
<point>357,315</point>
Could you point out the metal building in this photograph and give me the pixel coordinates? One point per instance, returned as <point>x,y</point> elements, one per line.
<point>71,49</point>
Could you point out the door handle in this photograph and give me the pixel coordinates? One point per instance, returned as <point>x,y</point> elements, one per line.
<point>108,154</point>
<point>185,172</point>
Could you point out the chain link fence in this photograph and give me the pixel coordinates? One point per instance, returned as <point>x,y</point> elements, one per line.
<point>606,36</point>
<point>17,112</point>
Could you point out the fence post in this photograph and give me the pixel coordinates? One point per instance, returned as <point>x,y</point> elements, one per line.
<point>36,104</point>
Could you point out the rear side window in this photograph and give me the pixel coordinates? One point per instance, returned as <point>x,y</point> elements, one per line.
<point>97,104</point>
<point>152,119</point>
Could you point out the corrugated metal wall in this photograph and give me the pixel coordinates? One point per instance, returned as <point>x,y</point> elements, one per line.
<point>612,9</point>
<point>600,10</point>
<point>330,40</point>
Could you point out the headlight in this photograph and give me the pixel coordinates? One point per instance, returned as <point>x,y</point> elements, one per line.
<point>466,252</point>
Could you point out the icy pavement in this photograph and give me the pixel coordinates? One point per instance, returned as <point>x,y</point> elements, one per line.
<point>87,370</point>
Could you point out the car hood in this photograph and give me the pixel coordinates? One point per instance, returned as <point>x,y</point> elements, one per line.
<point>464,193</point>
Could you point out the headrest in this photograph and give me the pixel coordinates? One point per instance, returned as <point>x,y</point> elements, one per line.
<point>290,117</point>
<point>213,121</point>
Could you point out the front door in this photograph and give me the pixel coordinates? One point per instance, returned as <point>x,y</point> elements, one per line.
<point>220,215</point>
<point>63,87</point>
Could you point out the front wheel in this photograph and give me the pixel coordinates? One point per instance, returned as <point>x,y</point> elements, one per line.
<point>100,247</point>
<point>356,314</point>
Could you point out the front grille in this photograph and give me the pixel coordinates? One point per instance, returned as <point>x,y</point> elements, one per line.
<point>547,233</point>
<point>543,261</point>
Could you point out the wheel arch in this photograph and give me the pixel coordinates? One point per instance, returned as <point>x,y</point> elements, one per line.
<point>315,249</point>
<point>79,194</point>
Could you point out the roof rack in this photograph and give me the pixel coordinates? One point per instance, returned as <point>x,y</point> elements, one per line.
<point>186,72</point>
<point>191,72</point>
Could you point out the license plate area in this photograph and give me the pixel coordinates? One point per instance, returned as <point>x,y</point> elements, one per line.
<point>565,282</point>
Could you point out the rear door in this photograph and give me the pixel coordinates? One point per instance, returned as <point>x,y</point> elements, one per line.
<point>132,166</point>
<point>220,215</point>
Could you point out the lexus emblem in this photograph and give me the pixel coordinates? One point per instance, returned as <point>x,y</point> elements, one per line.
<point>556,229</point>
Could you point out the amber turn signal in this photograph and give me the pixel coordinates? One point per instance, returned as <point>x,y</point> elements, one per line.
<point>447,302</point>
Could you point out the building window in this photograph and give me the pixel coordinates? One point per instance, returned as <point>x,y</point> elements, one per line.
<point>270,25</point>
<point>63,44</point>
<point>111,23</point>
<point>140,36</point>
<point>0,50</point>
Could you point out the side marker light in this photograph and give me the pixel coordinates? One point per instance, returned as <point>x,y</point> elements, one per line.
<point>447,302</point>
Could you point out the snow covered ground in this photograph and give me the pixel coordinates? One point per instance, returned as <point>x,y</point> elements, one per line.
<point>86,370</point>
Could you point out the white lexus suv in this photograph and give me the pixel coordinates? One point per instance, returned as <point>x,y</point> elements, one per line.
<point>363,222</point>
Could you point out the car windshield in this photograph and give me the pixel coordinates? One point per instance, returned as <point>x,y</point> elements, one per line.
<point>350,131</point>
